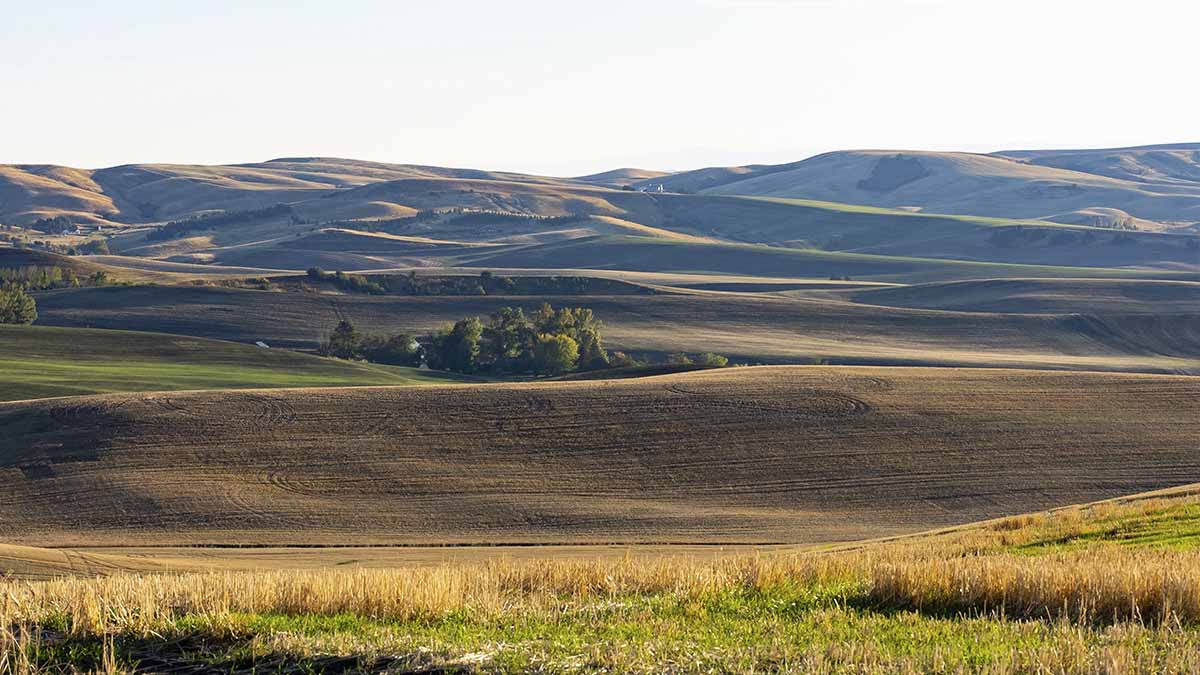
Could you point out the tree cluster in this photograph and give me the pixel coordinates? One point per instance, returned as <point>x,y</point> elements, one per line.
<point>179,228</point>
<point>16,306</point>
<point>55,225</point>
<point>351,283</point>
<point>547,342</point>
<point>345,342</point>
<point>45,277</point>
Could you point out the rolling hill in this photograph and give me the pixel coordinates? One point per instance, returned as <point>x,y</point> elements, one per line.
<point>776,454</point>
<point>469,207</point>
<point>620,177</point>
<point>137,193</point>
<point>1168,164</point>
<point>1158,184</point>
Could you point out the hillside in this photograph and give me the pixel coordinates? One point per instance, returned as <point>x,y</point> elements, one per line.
<point>743,326</point>
<point>743,455</point>
<point>1044,296</point>
<point>1171,164</point>
<point>620,177</point>
<point>283,214</point>
<point>1011,185</point>
<point>153,192</point>
<point>896,263</point>
<point>41,361</point>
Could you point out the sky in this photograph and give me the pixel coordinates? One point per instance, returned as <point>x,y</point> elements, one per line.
<point>568,87</point>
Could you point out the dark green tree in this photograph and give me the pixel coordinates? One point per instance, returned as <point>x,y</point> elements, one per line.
<point>457,347</point>
<point>344,342</point>
<point>398,350</point>
<point>508,342</point>
<point>17,306</point>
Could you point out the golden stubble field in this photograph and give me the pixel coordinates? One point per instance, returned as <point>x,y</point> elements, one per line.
<point>748,455</point>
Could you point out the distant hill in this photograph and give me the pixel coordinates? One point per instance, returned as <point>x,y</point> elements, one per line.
<point>1023,207</point>
<point>136,193</point>
<point>1177,164</point>
<point>1159,185</point>
<point>621,177</point>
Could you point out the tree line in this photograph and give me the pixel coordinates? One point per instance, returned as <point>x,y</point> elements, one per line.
<point>46,277</point>
<point>179,228</point>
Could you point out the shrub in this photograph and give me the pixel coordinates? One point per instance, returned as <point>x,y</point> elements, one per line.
<point>622,360</point>
<point>555,354</point>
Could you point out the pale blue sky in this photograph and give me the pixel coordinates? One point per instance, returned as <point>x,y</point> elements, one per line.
<point>567,87</point>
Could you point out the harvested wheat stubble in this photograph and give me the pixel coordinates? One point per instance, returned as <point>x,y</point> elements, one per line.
<point>772,454</point>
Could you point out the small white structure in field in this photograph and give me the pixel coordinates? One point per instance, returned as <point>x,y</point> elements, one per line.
<point>262,344</point>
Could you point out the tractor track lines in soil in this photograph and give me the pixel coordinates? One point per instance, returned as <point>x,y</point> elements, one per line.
<point>795,454</point>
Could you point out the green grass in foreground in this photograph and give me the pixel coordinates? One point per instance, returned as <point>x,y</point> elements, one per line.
<point>39,361</point>
<point>788,628</point>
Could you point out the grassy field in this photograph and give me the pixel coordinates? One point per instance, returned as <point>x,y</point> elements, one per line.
<point>738,456</point>
<point>959,601</point>
<point>40,361</point>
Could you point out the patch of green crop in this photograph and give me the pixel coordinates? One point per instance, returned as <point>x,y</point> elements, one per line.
<point>1176,527</point>
<point>39,362</point>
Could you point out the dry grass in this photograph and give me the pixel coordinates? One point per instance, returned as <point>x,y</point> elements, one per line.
<point>1103,609</point>
<point>1149,586</point>
<point>1144,599</point>
<point>1096,586</point>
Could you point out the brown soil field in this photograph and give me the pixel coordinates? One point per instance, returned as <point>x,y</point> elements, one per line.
<point>739,456</point>
<point>749,327</point>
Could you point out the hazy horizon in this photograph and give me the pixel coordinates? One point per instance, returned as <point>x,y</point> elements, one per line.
<point>541,88</point>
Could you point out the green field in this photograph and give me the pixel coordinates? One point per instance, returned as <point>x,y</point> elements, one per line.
<point>39,361</point>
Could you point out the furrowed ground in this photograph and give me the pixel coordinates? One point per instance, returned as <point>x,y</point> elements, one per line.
<point>745,455</point>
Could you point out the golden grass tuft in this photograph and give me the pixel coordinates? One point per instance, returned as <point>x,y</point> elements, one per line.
<point>1099,585</point>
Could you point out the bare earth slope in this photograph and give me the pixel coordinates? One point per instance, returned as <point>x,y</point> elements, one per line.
<point>782,454</point>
